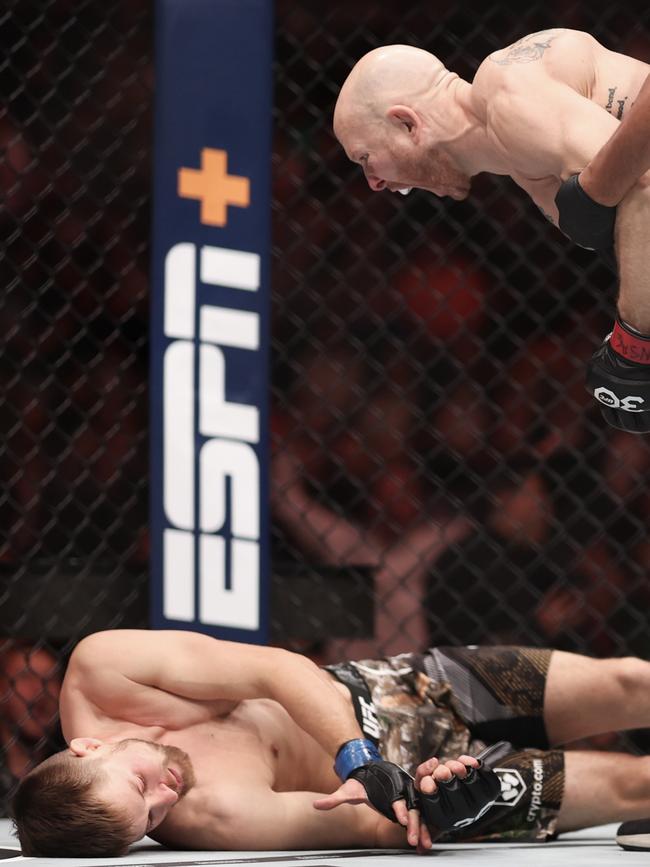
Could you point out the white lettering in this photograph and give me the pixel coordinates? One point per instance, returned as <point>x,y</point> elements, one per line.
<point>178,575</point>
<point>233,268</point>
<point>217,416</point>
<point>178,434</point>
<point>629,403</point>
<point>370,723</point>
<point>180,291</point>
<point>536,794</point>
<point>238,606</point>
<point>221,460</point>
<point>220,476</point>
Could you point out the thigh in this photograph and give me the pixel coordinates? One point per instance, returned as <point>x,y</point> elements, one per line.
<point>586,696</point>
<point>497,691</point>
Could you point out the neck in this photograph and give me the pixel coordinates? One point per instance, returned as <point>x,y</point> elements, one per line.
<point>466,137</point>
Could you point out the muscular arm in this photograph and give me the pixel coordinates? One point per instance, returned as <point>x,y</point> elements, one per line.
<point>261,819</point>
<point>325,534</point>
<point>147,674</point>
<point>624,158</point>
<point>547,139</point>
<point>561,131</point>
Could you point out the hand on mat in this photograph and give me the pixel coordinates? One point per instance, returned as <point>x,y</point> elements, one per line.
<point>427,777</point>
<point>380,785</point>
<point>454,795</point>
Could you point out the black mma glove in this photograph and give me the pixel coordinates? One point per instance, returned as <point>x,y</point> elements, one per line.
<point>459,803</point>
<point>618,376</point>
<point>386,783</point>
<point>456,804</point>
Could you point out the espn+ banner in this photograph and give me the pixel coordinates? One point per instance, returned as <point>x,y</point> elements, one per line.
<point>210,310</point>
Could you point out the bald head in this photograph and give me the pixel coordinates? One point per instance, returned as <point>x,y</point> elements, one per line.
<point>384,77</point>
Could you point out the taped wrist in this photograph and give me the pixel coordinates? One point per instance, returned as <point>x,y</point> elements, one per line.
<point>586,222</point>
<point>354,754</point>
<point>629,343</point>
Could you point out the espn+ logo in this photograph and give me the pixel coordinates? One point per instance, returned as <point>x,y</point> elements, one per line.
<point>211,470</point>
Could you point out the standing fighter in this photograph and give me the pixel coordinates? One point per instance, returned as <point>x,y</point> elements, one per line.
<point>206,744</point>
<point>539,111</point>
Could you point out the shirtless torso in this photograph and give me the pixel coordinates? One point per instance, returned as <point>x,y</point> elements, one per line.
<point>538,111</point>
<point>257,772</point>
<point>549,102</point>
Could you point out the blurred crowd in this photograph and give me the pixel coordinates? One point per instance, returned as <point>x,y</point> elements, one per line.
<point>75,116</point>
<point>429,416</point>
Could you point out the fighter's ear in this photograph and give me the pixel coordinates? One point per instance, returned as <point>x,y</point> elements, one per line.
<point>84,746</point>
<point>406,118</point>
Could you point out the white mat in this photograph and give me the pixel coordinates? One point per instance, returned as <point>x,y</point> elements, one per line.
<point>592,848</point>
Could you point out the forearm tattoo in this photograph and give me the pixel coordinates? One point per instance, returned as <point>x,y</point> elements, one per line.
<point>527,49</point>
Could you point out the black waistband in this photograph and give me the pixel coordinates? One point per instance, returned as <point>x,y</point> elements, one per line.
<point>364,709</point>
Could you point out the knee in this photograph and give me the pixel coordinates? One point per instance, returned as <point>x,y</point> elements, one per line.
<point>633,786</point>
<point>631,674</point>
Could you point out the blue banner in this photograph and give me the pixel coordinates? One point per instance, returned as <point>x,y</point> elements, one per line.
<point>210,317</point>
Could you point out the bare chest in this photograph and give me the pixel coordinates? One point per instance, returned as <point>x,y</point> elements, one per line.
<point>258,742</point>
<point>260,733</point>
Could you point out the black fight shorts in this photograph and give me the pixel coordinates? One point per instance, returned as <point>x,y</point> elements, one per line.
<point>498,693</point>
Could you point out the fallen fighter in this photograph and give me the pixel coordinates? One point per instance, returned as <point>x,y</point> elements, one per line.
<point>206,744</point>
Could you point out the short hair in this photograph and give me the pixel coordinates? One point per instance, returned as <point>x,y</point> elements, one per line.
<point>57,814</point>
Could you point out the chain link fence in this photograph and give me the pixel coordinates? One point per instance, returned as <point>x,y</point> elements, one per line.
<point>436,458</point>
<point>75,117</point>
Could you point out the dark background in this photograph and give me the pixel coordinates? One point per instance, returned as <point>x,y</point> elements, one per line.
<point>438,468</point>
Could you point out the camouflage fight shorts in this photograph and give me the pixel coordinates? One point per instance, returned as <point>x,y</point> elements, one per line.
<point>455,700</point>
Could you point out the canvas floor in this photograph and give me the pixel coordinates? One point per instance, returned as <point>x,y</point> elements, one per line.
<point>591,848</point>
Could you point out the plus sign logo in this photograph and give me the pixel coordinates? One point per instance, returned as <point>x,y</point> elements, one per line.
<point>214,187</point>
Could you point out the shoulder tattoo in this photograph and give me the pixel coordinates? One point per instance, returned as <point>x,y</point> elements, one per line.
<point>527,49</point>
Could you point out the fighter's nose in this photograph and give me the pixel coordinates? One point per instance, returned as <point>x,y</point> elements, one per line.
<point>168,796</point>
<point>376,184</point>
